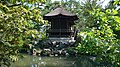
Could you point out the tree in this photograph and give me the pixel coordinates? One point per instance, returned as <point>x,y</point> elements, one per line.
<point>17,22</point>
<point>115,5</point>
<point>98,39</point>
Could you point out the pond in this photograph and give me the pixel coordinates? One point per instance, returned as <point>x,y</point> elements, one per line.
<point>72,61</point>
<point>36,61</point>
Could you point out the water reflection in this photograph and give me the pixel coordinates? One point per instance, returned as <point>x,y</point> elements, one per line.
<point>34,61</point>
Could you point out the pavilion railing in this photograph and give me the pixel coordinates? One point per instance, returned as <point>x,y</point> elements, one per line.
<point>60,30</point>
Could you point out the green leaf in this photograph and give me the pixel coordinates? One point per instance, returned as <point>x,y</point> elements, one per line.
<point>108,11</point>
<point>33,35</point>
<point>117,19</point>
<point>114,11</point>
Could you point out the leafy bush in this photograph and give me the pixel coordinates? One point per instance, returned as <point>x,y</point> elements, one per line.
<point>100,40</point>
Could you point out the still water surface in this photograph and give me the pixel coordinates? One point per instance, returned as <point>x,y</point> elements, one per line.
<point>35,61</point>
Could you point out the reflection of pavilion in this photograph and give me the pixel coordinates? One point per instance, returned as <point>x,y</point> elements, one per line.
<point>61,25</point>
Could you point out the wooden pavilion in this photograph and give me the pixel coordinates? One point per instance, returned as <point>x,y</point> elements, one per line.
<point>61,23</point>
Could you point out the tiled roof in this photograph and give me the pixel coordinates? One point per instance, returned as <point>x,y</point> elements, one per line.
<point>59,11</point>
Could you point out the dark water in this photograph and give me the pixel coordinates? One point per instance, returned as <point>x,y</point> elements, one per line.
<point>35,61</point>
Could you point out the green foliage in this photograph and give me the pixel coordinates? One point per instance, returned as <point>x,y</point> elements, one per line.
<point>100,39</point>
<point>17,27</point>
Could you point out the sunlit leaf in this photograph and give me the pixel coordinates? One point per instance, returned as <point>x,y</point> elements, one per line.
<point>114,11</point>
